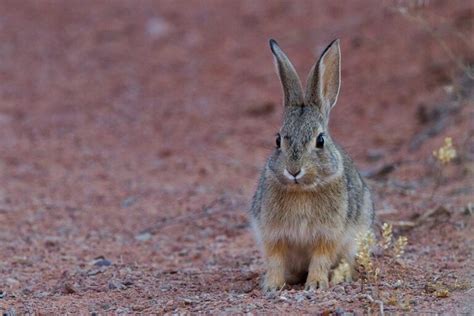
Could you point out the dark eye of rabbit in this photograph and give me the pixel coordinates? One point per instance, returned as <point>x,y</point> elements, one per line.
<point>278,141</point>
<point>320,141</point>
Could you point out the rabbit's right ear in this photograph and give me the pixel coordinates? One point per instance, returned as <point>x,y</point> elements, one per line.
<point>289,78</point>
<point>324,79</point>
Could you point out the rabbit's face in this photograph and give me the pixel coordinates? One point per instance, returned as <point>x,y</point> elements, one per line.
<point>305,155</point>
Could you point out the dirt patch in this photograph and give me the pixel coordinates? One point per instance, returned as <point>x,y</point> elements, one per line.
<point>133,134</point>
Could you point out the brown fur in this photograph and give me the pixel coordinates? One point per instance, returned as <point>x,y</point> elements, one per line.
<point>310,202</point>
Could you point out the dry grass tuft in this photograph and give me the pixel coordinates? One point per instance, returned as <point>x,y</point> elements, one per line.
<point>364,257</point>
<point>387,235</point>
<point>445,153</point>
<point>370,269</point>
<point>399,247</point>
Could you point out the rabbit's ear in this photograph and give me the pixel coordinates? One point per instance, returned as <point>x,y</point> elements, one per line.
<point>289,78</point>
<point>324,79</point>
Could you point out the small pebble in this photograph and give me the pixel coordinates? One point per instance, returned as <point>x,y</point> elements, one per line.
<point>339,289</point>
<point>188,301</point>
<point>300,298</point>
<point>143,236</point>
<point>374,154</point>
<point>116,285</point>
<point>397,284</point>
<point>13,282</point>
<point>129,201</point>
<point>469,210</point>
<point>101,262</point>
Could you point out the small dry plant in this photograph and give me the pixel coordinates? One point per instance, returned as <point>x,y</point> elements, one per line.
<point>392,248</point>
<point>369,269</point>
<point>444,155</point>
<point>387,235</point>
<point>366,267</point>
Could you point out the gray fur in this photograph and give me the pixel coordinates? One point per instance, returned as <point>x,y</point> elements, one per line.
<point>306,225</point>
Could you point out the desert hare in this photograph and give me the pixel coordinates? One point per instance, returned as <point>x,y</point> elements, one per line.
<point>311,202</point>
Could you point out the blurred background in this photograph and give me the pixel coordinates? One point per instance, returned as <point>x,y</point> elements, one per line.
<point>133,134</point>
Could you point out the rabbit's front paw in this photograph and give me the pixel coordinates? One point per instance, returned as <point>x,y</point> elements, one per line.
<point>317,282</point>
<point>273,282</point>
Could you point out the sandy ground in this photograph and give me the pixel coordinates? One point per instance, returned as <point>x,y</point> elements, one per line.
<point>133,132</point>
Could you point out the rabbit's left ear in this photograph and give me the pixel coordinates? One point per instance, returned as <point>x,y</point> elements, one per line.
<point>289,78</point>
<point>324,79</point>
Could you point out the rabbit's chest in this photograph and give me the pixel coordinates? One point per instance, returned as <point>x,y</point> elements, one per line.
<point>302,220</point>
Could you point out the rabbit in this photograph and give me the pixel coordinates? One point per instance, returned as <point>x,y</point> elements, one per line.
<point>311,203</point>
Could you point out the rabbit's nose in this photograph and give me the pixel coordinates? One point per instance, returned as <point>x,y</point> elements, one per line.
<point>294,173</point>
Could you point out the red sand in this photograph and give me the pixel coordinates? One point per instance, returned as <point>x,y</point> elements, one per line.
<point>135,131</point>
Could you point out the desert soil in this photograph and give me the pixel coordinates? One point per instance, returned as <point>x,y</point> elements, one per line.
<point>133,134</point>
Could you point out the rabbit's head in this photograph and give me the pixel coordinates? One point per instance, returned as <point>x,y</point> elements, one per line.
<point>305,155</point>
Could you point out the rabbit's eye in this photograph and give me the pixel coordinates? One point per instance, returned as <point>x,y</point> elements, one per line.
<point>278,141</point>
<point>320,141</point>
